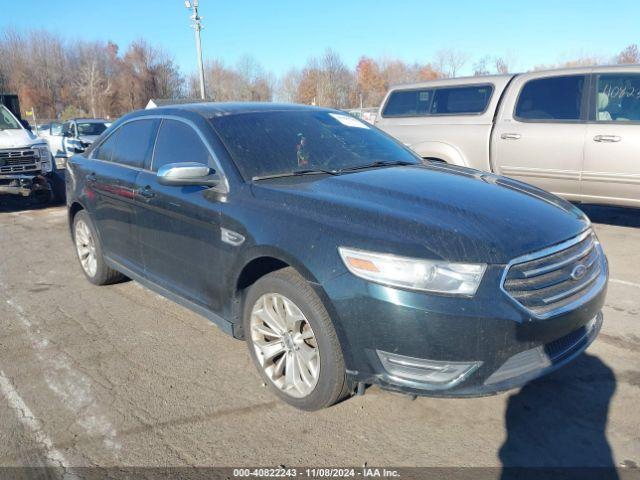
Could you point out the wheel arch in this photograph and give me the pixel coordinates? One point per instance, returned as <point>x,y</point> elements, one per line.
<point>440,151</point>
<point>72,211</point>
<point>256,264</point>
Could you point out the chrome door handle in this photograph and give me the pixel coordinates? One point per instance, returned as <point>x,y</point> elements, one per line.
<point>510,136</point>
<point>91,178</point>
<point>607,138</point>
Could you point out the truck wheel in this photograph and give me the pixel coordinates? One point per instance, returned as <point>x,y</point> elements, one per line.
<point>90,252</point>
<point>57,182</point>
<point>41,196</point>
<point>292,341</point>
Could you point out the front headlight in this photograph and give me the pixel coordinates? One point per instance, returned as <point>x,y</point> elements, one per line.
<point>435,276</point>
<point>45,157</point>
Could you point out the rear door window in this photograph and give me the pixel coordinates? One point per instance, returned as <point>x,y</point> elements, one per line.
<point>179,142</point>
<point>135,143</point>
<point>618,98</point>
<point>554,98</point>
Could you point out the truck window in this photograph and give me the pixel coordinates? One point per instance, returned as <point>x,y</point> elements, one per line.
<point>408,103</point>
<point>458,100</point>
<point>7,122</point>
<point>555,98</point>
<point>618,98</point>
<point>461,100</point>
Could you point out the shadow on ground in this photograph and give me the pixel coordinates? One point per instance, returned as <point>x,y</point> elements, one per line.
<point>14,203</point>
<point>619,216</point>
<point>559,421</point>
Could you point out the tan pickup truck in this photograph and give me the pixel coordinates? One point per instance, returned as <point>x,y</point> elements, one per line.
<point>573,132</point>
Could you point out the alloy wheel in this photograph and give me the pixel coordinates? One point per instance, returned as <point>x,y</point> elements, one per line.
<point>86,247</point>
<point>285,345</point>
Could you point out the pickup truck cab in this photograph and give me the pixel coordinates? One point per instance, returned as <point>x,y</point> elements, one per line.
<point>574,132</point>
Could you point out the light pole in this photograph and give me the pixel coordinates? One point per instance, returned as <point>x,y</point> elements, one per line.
<point>197,26</point>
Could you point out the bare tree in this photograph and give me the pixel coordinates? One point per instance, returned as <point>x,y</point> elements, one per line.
<point>502,66</point>
<point>146,72</point>
<point>327,81</point>
<point>481,67</point>
<point>92,80</point>
<point>337,83</point>
<point>450,62</point>
<point>247,81</point>
<point>630,54</point>
<point>287,90</point>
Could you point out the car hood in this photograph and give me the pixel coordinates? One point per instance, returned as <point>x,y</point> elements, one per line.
<point>433,211</point>
<point>13,138</point>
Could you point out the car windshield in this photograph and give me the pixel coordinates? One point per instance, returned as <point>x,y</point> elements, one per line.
<point>91,128</point>
<point>281,142</point>
<point>7,121</point>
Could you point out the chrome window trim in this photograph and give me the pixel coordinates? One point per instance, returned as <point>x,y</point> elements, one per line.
<point>596,285</point>
<point>224,182</point>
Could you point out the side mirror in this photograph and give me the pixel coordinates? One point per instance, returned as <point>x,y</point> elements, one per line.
<point>187,173</point>
<point>25,124</point>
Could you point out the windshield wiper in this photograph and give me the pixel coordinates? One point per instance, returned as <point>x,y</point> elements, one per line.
<point>294,173</point>
<point>374,165</point>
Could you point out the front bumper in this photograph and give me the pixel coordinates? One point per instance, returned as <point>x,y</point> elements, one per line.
<point>24,185</point>
<point>488,332</point>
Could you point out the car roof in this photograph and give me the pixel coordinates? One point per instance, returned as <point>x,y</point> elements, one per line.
<point>438,82</point>
<point>213,109</point>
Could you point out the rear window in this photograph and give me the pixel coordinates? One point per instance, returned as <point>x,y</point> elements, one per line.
<point>463,100</point>
<point>555,98</point>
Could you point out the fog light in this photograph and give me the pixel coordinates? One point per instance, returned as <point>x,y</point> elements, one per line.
<point>431,374</point>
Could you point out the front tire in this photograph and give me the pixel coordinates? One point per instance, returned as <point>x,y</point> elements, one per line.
<point>292,341</point>
<point>89,252</point>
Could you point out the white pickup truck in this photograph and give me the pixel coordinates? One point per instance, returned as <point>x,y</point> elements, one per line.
<point>26,164</point>
<point>574,132</point>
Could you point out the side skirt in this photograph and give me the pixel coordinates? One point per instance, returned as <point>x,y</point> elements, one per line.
<point>223,324</point>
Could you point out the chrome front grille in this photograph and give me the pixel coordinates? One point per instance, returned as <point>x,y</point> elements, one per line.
<point>558,278</point>
<point>18,160</point>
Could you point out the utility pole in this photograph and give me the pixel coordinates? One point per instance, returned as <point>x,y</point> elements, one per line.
<point>197,26</point>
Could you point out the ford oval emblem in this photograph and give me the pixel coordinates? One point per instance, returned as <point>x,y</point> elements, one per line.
<point>578,272</point>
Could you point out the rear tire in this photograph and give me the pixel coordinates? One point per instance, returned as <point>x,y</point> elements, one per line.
<point>89,251</point>
<point>292,341</point>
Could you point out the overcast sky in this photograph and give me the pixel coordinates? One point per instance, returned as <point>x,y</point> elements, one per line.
<point>284,33</point>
